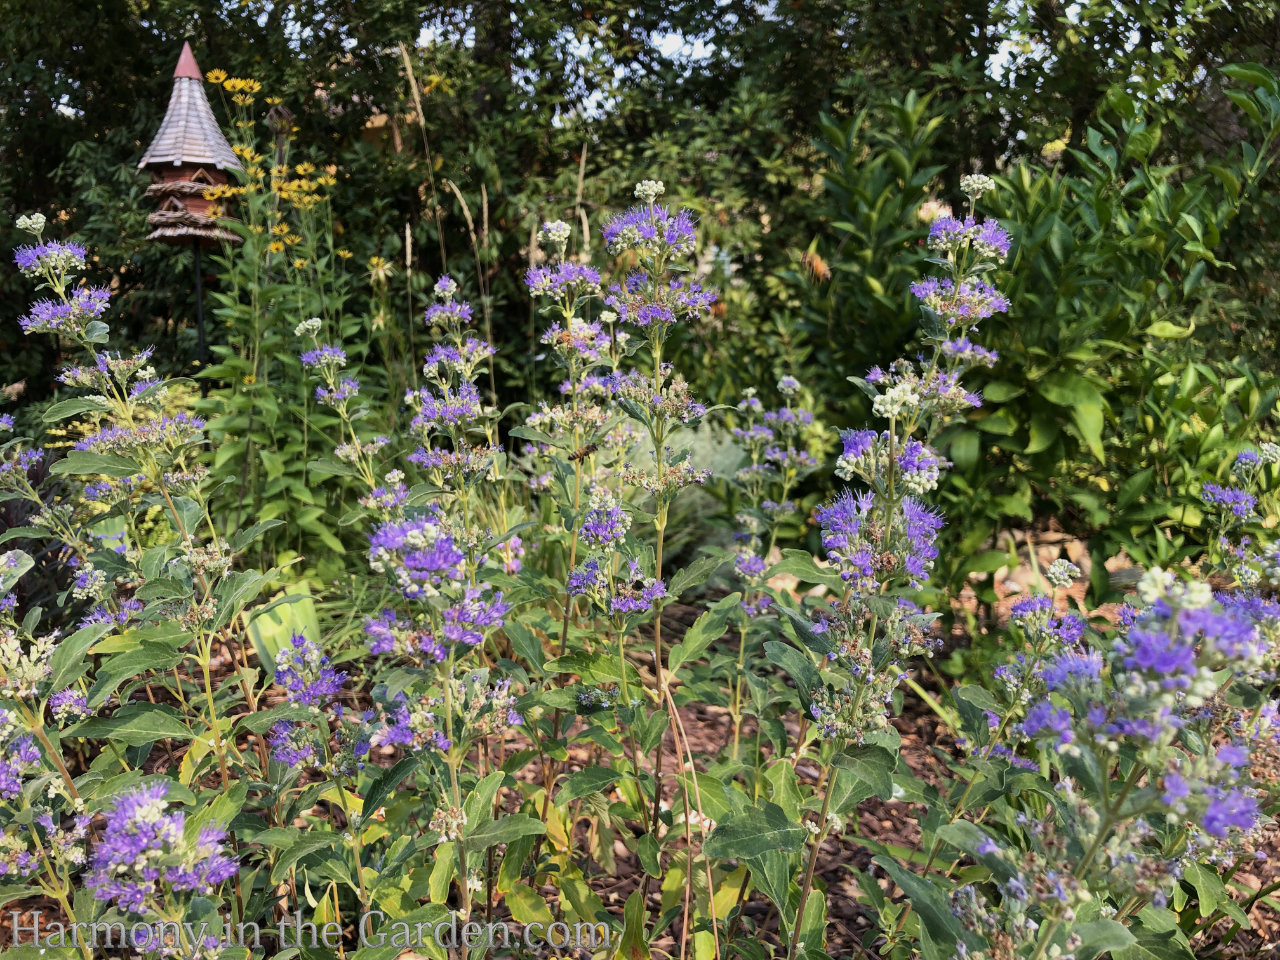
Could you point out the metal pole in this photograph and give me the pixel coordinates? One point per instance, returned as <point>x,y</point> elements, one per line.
<point>202,355</point>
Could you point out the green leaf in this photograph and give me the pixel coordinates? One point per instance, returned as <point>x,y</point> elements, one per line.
<point>870,765</point>
<point>590,780</point>
<point>135,725</point>
<point>309,843</point>
<point>1254,74</point>
<point>633,945</point>
<point>331,468</point>
<point>647,851</point>
<point>10,892</point>
<point>1156,939</point>
<point>73,407</point>
<point>801,565</point>
<point>694,575</point>
<point>504,830</point>
<point>1167,330</point>
<point>254,533</point>
<point>70,658</point>
<point>84,463</point>
<point>1065,389</point>
<point>477,808</point>
<point>707,629</point>
<point>12,566</point>
<point>927,900</point>
<point>1089,419</point>
<point>799,667</point>
<point>1100,936</point>
<point>1134,487</point>
<point>382,788</point>
<point>753,831</point>
<point>964,450</point>
<point>1001,391</point>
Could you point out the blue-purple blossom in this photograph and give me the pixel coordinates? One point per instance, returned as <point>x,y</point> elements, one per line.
<point>921,524</point>
<point>57,256</point>
<point>417,554</point>
<point>19,757</point>
<point>1239,503</point>
<point>452,313</point>
<point>439,411</point>
<point>291,744</point>
<point>1229,807</point>
<point>68,705</point>
<point>304,671</point>
<point>324,356</point>
<point>55,316</point>
<point>164,433</point>
<point>144,848</point>
<point>1072,669</point>
<point>335,396</point>
<point>563,280</point>
<point>466,621</point>
<point>650,228</point>
<point>605,521</point>
<point>1044,720</point>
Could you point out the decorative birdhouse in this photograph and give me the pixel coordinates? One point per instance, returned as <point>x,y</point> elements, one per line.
<point>188,156</point>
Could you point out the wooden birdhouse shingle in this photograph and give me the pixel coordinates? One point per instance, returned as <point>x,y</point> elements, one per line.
<point>188,156</point>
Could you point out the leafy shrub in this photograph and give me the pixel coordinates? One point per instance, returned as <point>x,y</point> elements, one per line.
<point>191,754</point>
<point>1104,372</point>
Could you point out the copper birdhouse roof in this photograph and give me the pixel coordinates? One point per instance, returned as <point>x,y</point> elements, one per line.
<point>189,133</point>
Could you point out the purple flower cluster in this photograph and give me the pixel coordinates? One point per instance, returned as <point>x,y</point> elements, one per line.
<point>291,744</point>
<point>605,523</point>
<point>56,256</point>
<point>577,339</point>
<point>973,300</point>
<point>845,540</point>
<point>1044,720</point>
<point>335,396</point>
<point>417,554</point>
<point>144,849</point>
<point>986,239</point>
<point>439,411</point>
<point>20,461</point>
<point>919,467</point>
<point>305,673</point>
<point>1073,670</point>
<point>164,433</point>
<point>128,609</point>
<point>563,281</point>
<point>19,756</point>
<point>1239,503</point>
<point>652,228</point>
<point>466,620</point>
<point>68,705</point>
<point>966,351</point>
<point>461,358</point>
<point>637,594</point>
<point>324,356</point>
<point>389,634</point>
<point>632,593</point>
<point>415,727</point>
<point>452,313</point>
<point>56,316</point>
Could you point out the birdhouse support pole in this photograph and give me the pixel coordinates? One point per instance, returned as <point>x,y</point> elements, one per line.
<point>202,353</point>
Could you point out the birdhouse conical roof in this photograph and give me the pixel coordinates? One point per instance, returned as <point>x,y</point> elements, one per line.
<point>189,133</point>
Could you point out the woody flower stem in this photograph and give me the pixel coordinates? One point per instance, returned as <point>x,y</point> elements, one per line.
<point>807,885</point>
